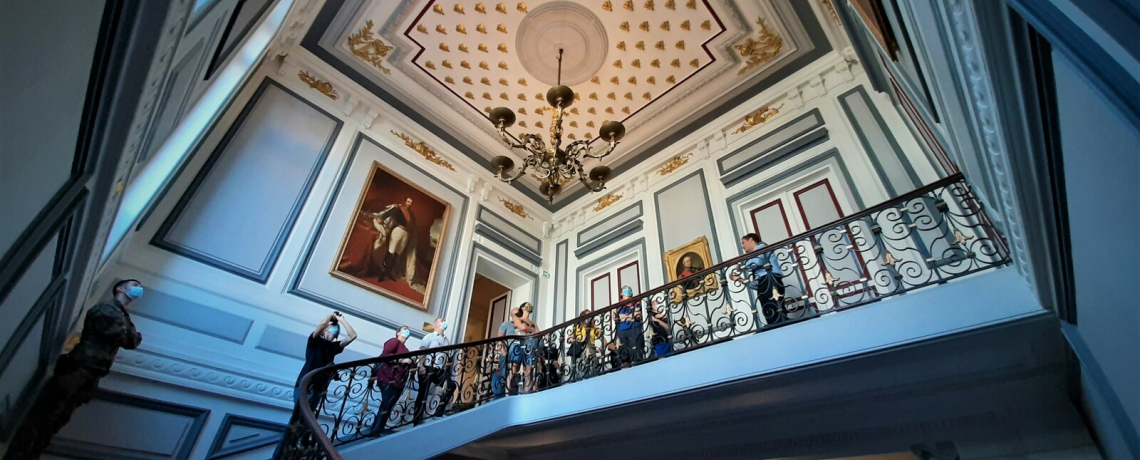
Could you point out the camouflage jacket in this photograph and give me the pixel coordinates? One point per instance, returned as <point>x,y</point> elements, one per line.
<point>106,328</point>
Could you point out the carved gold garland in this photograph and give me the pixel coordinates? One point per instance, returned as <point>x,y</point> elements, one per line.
<point>366,46</point>
<point>831,9</point>
<point>766,46</point>
<point>607,201</point>
<point>321,86</point>
<point>758,117</point>
<point>421,148</point>
<point>515,208</point>
<point>674,164</point>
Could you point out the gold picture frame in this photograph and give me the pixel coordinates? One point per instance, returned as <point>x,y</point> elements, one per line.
<point>386,193</point>
<point>700,258</point>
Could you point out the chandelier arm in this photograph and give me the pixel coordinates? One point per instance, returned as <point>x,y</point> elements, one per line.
<point>507,139</point>
<point>577,148</point>
<point>609,150</point>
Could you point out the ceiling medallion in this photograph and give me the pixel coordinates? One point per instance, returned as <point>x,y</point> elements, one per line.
<point>607,201</point>
<point>321,86</point>
<point>758,117</point>
<point>421,148</point>
<point>766,46</point>
<point>672,165</point>
<point>515,208</point>
<point>551,163</point>
<point>369,48</point>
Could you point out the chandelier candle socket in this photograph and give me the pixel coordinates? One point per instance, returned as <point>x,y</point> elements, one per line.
<point>551,164</point>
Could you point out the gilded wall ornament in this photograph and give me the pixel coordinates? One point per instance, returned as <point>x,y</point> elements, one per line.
<point>321,86</point>
<point>369,48</point>
<point>827,5</point>
<point>672,165</point>
<point>766,46</point>
<point>421,148</point>
<point>607,201</point>
<point>515,208</point>
<point>758,117</point>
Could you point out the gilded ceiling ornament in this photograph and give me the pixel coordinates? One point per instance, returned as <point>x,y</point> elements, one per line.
<point>685,25</point>
<point>593,96</point>
<point>649,5</point>
<point>482,47</point>
<point>680,45</point>
<point>691,4</point>
<point>636,63</point>
<point>463,47</point>
<point>538,124</point>
<point>758,117</point>
<point>503,47</point>
<point>766,46</point>
<point>443,47</point>
<point>632,80</point>
<point>628,5</point>
<point>515,208</point>
<point>625,110</point>
<point>521,7</point>
<point>644,26</point>
<point>437,8</point>
<point>590,124</point>
<point>656,63</point>
<point>707,25</point>
<point>321,86</point>
<point>591,111</point>
<point>522,110</point>
<point>501,28</point>
<point>614,80</point>
<point>483,65</point>
<point>369,48</point>
<point>646,96</point>
<point>572,137</point>
<point>617,63</point>
<point>449,80</point>
<point>480,8</point>
<point>440,29</point>
<point>612,96</point>
<point>628,96</point>
<point>610,110</point>
<point>573,124</point>
<point>695,63</point>
<point>621,45</point>
<point>607,5</point>
<point>607,201</point>
<point>465,64</point>
<point>670,80</point>
<point>522,81</point>
<point>468,95</point>
<point>574,110</point>
<point>504,82</point>
<point>421,29</point>
<point>522,124</point>
<point>651,80</point>
<point>665,26</point>
<point>421,148</point>
<point>676,63</point>
<point>485,81</point>
<point>538,97</point>
<point>467,80</point>
<point>461,29</point>
<point>481,28</point>
<point>459,9</point>
<point>671,4</point>
<point>502,8</point>
<point>660,45</point>
<point>503,65</point>
<point>624,26</point>
<point>522,97</point>
<point>504,96</point>
<point>430,65</point>
<point>595,80</point>
<point>674,164</point>
<point>487,96</point>
<point>831,9</point>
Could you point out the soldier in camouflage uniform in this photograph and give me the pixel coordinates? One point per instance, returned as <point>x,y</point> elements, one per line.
<point>106,328</point>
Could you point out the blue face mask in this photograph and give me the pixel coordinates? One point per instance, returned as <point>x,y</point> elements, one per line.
<point>627,292</point>
<point>334,330</point>
<point>443,325</point>
<point>134,292</point>
<point>406,333</point>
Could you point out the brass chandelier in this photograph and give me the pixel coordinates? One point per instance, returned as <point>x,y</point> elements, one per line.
<point>552,165</point>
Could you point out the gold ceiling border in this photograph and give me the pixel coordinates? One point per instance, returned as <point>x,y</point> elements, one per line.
<point>421,148</point>
<point>321,86</point>
<point>607,201</point>
<point>758,118</point>
<point>764,48</point>
<point>366,46</point>
<point>830,7</point>
<point>515,208</point>
<point>676,163</point>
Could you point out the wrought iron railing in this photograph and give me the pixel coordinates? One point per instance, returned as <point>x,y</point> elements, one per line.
<point>926,237</point>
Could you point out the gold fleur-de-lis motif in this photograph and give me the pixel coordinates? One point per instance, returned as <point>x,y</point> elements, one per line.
<point>465,64</point>
<point>449,80</point>
<point>504,96</point>
<point>463,47</point>
<point>503,65</point>
<point>649,5</point>
<point>522,97</point>
<point>487,109</point>
<point>610,110</point>
<point>502,47</point>
<point>430,65</point>
<point>671,4</point>
<point>483,65</point>
<point>538,124</point>
<point>670,80</point>
<point>621,45</point>
<point>590,124</point>
<point>646,96</point>
<point>573,124</point>
<point>467,80</point>
<point>437,8</point>
<point>468,95</point>
<point>441,29</point>
<point>665,26</point>
<point>656,63</point>
<point>446,63</point>
<point>572,137</point>
<point>660,45</point>
<point>482,47</point>
<point>676,63</point>
<point>502,8</point>
<point>685,25</point>
<point>487,96</point>
<point>577,97</point>
<point>443,47</point>
<point>628,96</point>
<point>636,63</point>
<point>651,80</point>
<point>614,80</point>
<point>607,5</point>
<point>522,110</point>
<point>459,8</point>
<point>461,29</point>
<point>522,81</point>
<point>707,25</point>
<point>480,8</point>
<point>538,97</point>
<point>617,63</point>
<point>481,28</point>
<point>595,80</point>
<point>612,96</point>
<point>640,45</point>
<point>501,28</point>
<point>628,5</point>
<point>593,96</point>
<point>625,110</point>
<point>691,4</point>
<point>680,45</point>
<point>421,29</point>
<point>632,80</point>
<point>521,7</point>
<point>591,111</point>
<point>624,26</point>
<point>695,63</point>
<point>644,26</point>
<point>485,81</point>
<point>522,124</point>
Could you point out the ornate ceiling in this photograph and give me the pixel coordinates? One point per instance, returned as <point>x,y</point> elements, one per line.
<point>662,67</point>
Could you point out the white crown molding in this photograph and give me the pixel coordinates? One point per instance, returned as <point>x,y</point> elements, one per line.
<point>162,367</point>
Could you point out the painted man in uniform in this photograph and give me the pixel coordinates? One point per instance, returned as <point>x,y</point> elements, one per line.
<point>395,246</point>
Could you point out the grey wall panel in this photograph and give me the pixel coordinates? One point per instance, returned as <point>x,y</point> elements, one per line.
<point>609,224</point>
<point>241,206</point>
<point>687,216</point>
<point>508,243</point>
<point>241,434</point>
<point>561,265</point>
<point>30,287</point>
<point>771,157</point>
<point>172,105</point>
<point>160,306</point>
<point>282,342</point>
<point>786,133</point>
<point>887,157</point>
<point>632,227</point>
<point>522,237</point>
<point>120,426</point>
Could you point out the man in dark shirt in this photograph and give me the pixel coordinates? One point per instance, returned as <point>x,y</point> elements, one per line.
<point>320,350</point>
<point>106,328</point>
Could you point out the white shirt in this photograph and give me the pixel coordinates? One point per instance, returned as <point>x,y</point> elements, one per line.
<point>435,340</point>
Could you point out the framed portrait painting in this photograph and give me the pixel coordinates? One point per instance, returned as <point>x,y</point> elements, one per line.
<point>690,258</point>
<point>393,239</point>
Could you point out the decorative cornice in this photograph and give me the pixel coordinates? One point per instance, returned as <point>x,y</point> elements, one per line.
<point>758,117</point>
<point>421,148</point>
<point>321,86</point>
<point>674,164</point>
<point>827,5</point>
<point>367,47</point>
<point>211,377</point>
<point>515,208</point>
<point>607,201</point>
<point>764,48</point>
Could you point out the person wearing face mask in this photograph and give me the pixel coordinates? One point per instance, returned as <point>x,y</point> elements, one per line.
<point>390,377</point>
<point>106,328</point>
<point>763,276</point>
<point>434,369</point>
<point>322,347</point>
<point>629,336</point>
<point>525,353</point>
